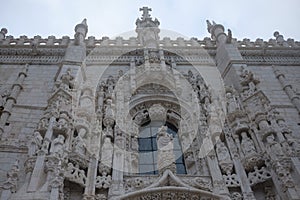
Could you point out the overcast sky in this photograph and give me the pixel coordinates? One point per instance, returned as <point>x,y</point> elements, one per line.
<point>247,19</point>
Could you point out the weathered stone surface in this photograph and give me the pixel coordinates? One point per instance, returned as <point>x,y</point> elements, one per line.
<point>202,119</point>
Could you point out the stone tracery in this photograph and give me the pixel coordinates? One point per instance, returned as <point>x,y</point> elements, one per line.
<point>88,134</point>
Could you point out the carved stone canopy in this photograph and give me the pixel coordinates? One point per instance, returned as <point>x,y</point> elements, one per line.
<point>157,113</point>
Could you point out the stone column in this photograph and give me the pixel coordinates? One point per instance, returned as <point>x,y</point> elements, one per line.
<point>239,168</point>
<point>288,89</point>
<point>228,57</point>
<point>132,75</point>
<point>245,185</point>
<point>38,173</point>
<point>217,179</point>
<point>89,191</point>
<point>12,99</point>
<point>118,163</point>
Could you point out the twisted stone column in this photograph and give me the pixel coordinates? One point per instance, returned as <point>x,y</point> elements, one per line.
<point>12,99</point>
<point>288,89</point>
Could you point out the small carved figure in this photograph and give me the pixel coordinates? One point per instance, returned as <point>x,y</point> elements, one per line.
<point>57,145</point>
<point>248,81</point>
<point>108,109</point>
<point>294,144</point>
<point>247,145</point>
<point>232,104</point>
<point>107,151</point>
<point>229,37</point>
<point>222,152</point>
<point>67,80</point>
<point>35,143</point>
<point>274,146</point>
<point>13,177</point>
<point>79,144</point>
<point>110,82</point>
<point>191,78</point>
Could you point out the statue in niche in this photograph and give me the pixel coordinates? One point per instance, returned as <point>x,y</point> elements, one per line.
<point>223,155</point>
<point>166,158</point>
<point>78,144</point>
<point>107,152</point>
<point>293,143</point>
<point>206,105</point>
<point>35,143</point>
<point>101,95</point>
<point>222,152</point>
<point>62,122</point>
<point>67,80</point>
<point>275,147</point>
<point>247,145</point>
<point>232,103</point>
<point>164,140</point>
<point>57,145</point>
<point>110,83</point>
<point>108,109</point>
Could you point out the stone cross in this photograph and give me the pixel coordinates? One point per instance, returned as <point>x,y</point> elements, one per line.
<point>145,12</point>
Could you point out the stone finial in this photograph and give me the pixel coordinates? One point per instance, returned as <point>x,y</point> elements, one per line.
<point>209,26</point>
<point>80,32</point>
<point>147,29</point>
<point>279,39</point>
<point>217,32</point>
<point>3,32</point>
<point>229,37</point>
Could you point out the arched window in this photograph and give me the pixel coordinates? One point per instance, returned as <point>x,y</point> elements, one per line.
<point>148,148</point>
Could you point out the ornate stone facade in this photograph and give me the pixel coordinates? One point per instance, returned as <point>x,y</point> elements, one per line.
<point>149,118</point>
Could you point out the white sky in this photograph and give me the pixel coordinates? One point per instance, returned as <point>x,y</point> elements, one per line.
<point>247,19</point>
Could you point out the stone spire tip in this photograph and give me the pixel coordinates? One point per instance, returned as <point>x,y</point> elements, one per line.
<point>84,22</point>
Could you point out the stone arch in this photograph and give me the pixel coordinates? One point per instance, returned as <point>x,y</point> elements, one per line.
<point>169,184</point>
<point>144,72</point>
